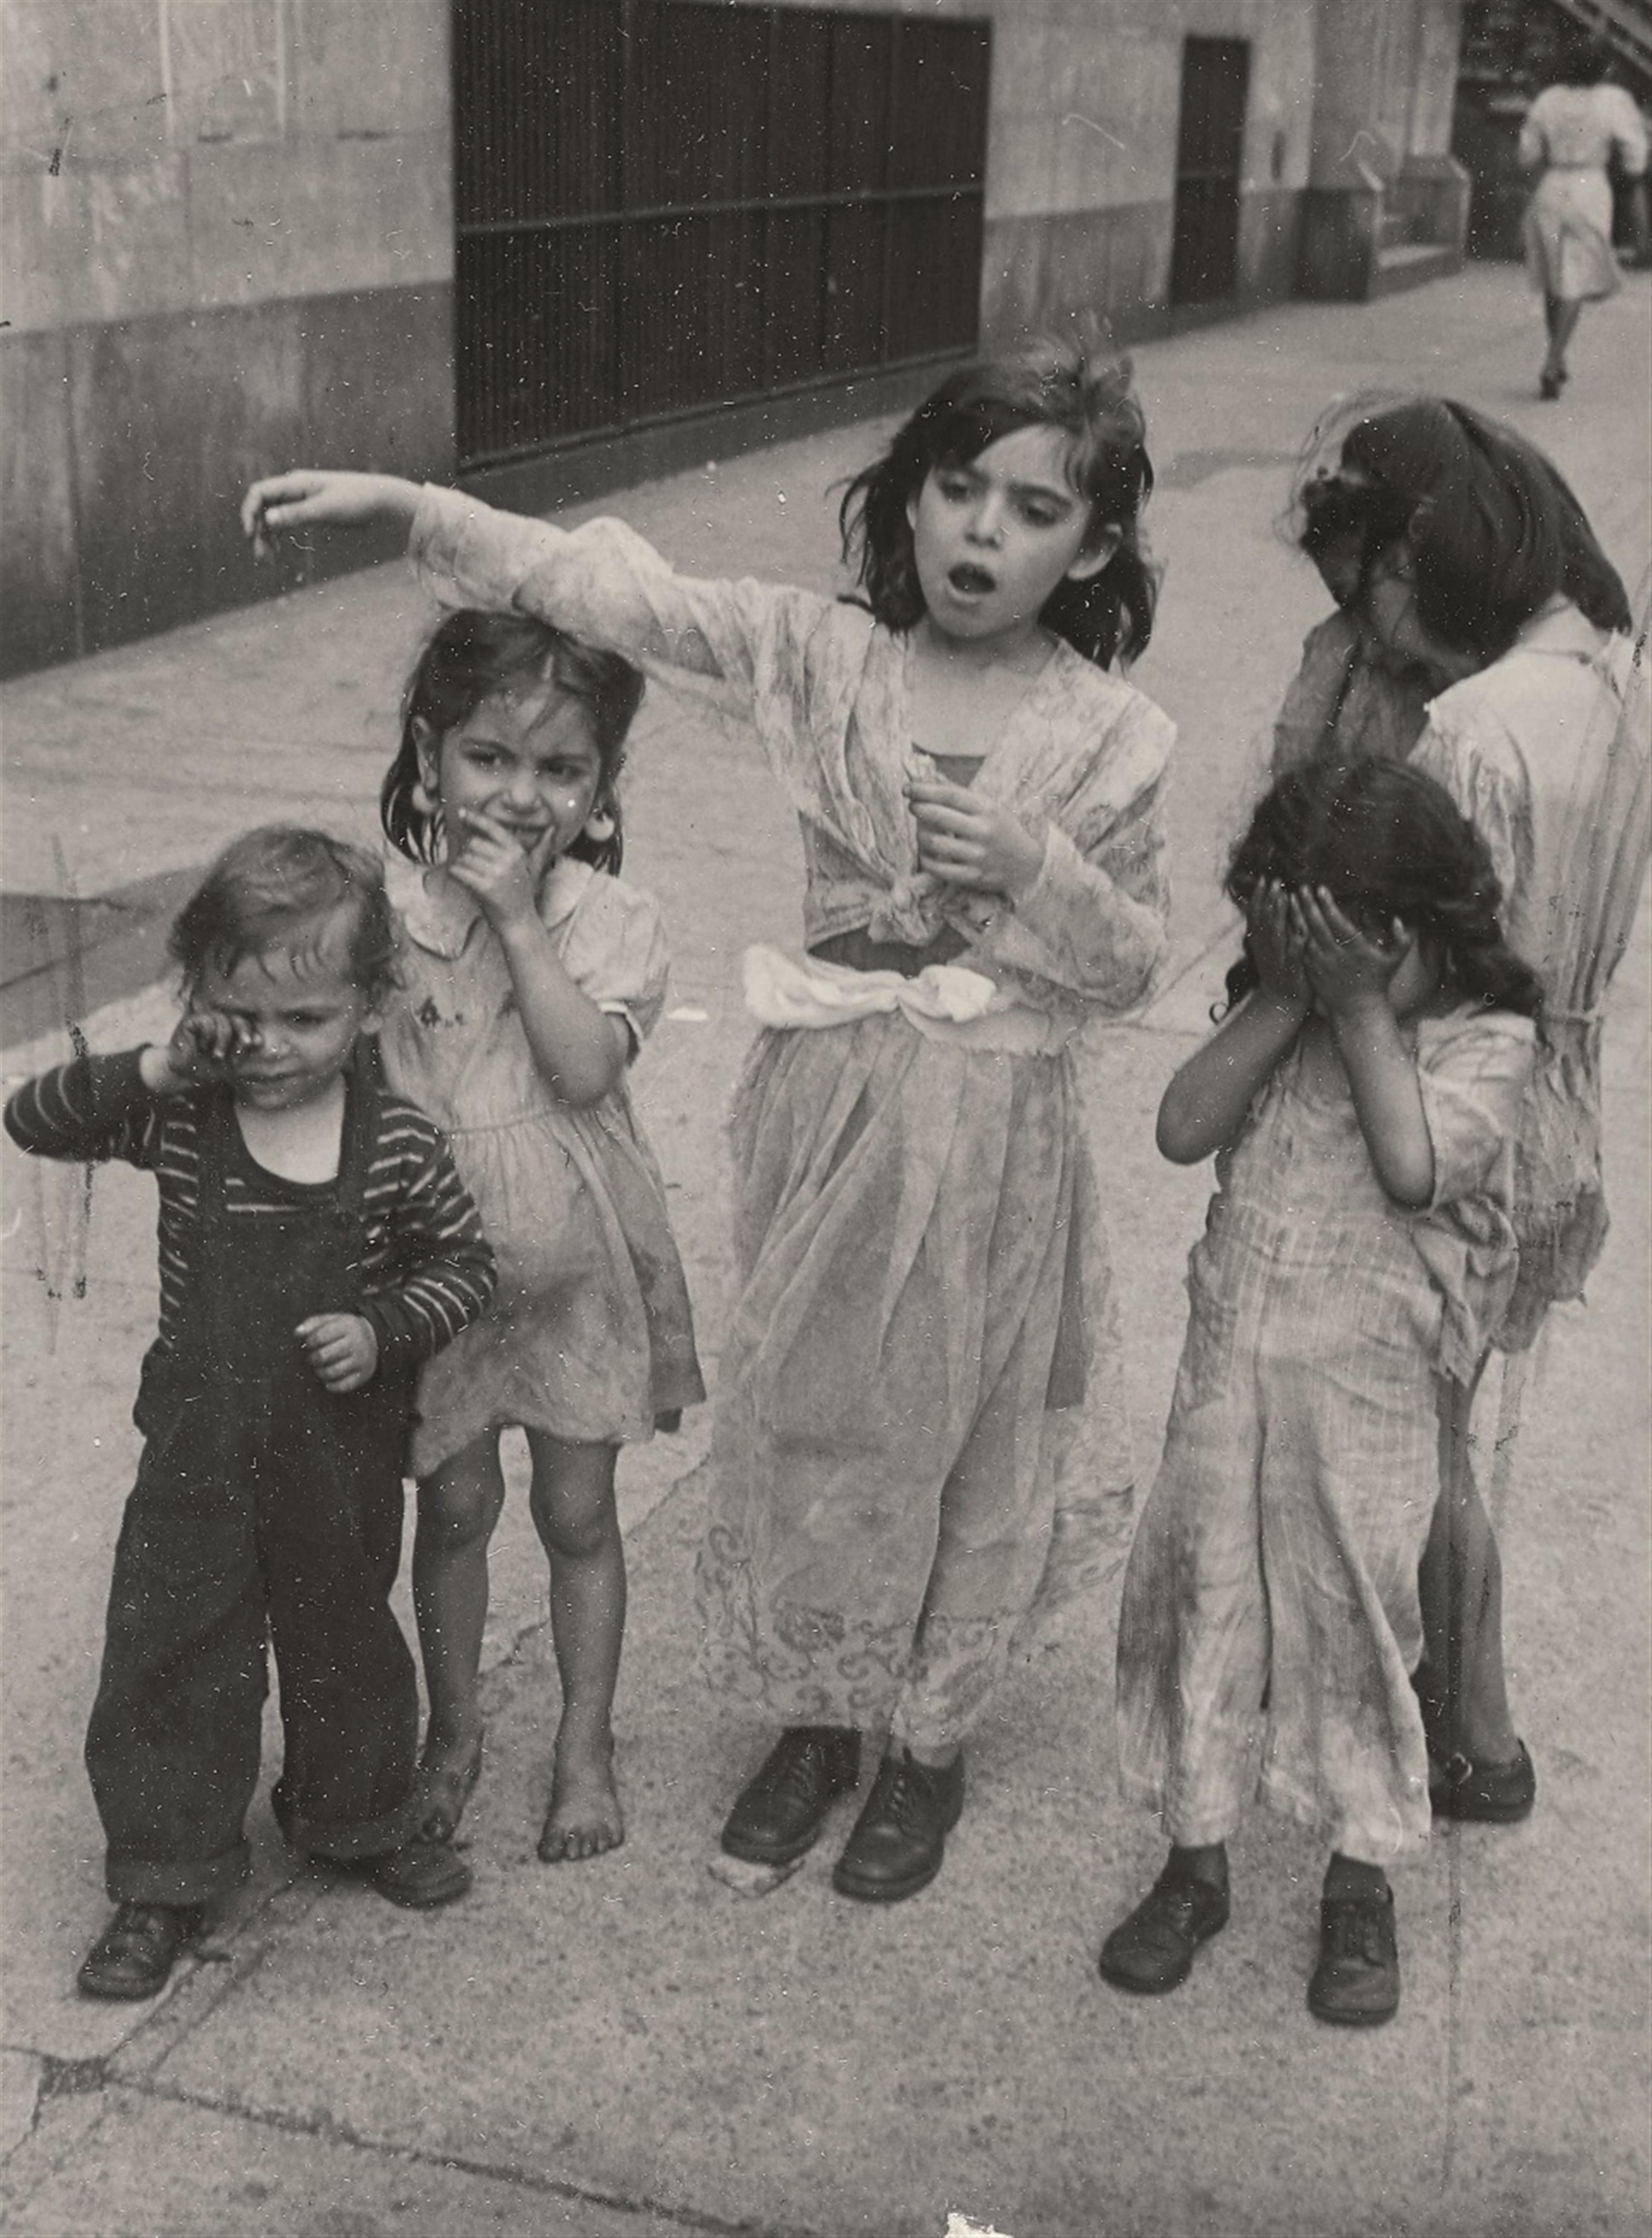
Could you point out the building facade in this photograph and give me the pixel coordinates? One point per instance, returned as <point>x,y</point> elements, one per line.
<point>461,236</point>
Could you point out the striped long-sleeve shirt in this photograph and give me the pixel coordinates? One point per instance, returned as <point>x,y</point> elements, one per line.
<point>427,1267</point>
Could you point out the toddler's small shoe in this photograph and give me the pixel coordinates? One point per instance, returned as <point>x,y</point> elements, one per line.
<point>900,1838</point>
<point>779,1813</point>
<point>135,1955</point>
<point>1152,1950</point>
<point>1356,1983</point>
<point>420,1874</point>
<point>1497,1794</point>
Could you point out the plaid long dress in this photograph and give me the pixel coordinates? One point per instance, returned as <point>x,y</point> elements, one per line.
<point>1272,1589</point>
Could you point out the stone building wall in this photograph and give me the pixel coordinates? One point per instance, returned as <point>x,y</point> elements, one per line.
<point>229,244</point>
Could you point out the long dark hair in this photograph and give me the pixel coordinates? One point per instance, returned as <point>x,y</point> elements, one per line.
<point>1387,842</point>
<point>470,656</point>
<point>1075,385</point>
<point>1493,529</point>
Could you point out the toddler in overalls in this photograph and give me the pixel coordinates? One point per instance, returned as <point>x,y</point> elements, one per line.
<point>316,1246</point>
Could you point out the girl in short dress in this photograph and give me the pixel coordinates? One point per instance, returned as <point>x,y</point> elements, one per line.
<point>918,1413</point>
<point>530,974</point>
<point>1362,1095</point>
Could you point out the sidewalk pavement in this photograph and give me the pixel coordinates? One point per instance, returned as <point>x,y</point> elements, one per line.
<point>626,2049</point>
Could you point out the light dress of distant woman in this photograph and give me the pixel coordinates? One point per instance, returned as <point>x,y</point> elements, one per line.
<point>1572,131</point>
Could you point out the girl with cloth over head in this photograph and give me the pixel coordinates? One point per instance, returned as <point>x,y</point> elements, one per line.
<point>1464,558</point>
<point>920,1408</point>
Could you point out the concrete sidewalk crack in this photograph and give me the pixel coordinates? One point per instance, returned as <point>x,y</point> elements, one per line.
<point>326,2130</point>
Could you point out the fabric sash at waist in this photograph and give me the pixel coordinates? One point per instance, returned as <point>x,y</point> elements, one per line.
<point>947,1001</point>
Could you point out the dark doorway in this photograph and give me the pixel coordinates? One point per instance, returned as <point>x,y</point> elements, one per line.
<point>1210,156</point>
<point>665,205</point>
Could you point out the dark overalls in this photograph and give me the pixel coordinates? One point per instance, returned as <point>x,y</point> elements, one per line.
<point>265,1505</point>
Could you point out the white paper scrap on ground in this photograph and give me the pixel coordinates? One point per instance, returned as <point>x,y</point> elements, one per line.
<point>749,1880</point>
<point>689,1013</point>
<point>960,2226</point>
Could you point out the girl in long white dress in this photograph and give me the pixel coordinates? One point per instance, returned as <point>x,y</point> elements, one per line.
<point>919,1408</point>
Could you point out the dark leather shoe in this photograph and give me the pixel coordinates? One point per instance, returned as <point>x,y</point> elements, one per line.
<point>1495,1794</point>
<point>1152,1950</point>
<point>137,1950</point>
<point>901,1836</point>
<point>780,1810</point>
<point>1356,1980</point>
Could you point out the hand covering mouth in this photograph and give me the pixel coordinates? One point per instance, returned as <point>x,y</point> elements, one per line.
<point>971,580</point>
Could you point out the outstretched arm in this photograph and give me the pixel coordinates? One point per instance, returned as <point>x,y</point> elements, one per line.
<point>601,582</point>
<point>317,497</point>
<point>1205,1105</point>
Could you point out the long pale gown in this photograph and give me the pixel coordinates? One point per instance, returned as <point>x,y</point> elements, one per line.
<point>1272,1589</point>
<point>919,1430</point>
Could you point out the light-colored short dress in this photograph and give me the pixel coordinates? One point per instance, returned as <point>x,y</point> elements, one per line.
<point>919,1435</point>
<point>1272,1589</point>
<point>589,1336</point>
<point>1547,754</point>
<point>1572,131</point>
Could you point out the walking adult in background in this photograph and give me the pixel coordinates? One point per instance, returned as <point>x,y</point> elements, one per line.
<point>1572,131</point>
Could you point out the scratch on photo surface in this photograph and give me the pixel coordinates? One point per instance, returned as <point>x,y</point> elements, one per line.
<point>1519,1370</point>
<point>1090,125</point>
<point>63,1194</point>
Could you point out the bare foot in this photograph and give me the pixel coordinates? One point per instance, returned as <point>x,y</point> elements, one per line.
<point>448,1771</point>
<point>585,1817</point>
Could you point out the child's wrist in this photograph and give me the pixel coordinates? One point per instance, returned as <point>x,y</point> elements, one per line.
<point>521,930</point>
<point>1289,1010</point>
<point>156,1070</point>
<point>1362,1010</point>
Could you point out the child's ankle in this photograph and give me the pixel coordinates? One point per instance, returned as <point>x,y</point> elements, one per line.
<point>1207,1863</point>
<point>1348,1877</point>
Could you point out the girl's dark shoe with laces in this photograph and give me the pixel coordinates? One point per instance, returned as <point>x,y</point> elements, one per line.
<point>1356,1983</point>
<point>135,1955</point>
<point>1495,1794</point>
<point>1152,1950</point>
<point>900,1838</point>
<point>780,1810</point>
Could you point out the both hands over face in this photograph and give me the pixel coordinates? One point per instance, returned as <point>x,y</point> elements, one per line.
<point>1304,947</point>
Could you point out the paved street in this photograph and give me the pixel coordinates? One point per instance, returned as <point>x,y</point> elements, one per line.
<point>626,2049</point>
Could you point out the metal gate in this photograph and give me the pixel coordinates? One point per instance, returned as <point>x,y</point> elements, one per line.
<point>663,205</point>
<point>1210,157</point>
